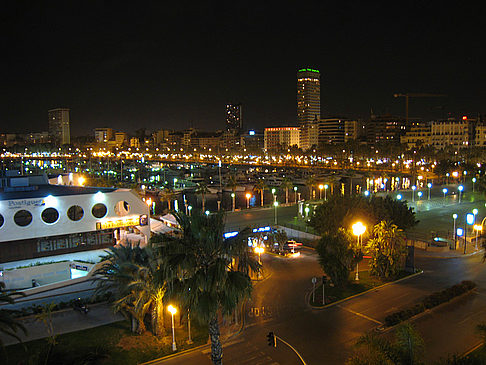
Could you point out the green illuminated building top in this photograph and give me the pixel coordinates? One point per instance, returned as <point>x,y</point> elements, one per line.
<point>308,69</point>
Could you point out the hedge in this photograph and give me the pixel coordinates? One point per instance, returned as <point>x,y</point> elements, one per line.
<point>36,309</point>
<point>431,301</point>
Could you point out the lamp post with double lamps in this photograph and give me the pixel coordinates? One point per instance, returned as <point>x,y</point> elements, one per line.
<point>358,230</point>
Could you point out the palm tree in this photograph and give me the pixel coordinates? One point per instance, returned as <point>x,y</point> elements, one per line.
<point>387,248</point>
<point>286,184</point>
<point>213,272</point>
<point>310,182</point>
<point>8,324</point>
<point>407,348</point>
<point>232,183</point>
<point>260,187</point>
<point>202,188</point>
<point>134,277</point>
<point>168,194</point>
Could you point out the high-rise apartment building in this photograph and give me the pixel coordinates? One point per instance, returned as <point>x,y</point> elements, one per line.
<point>234,117</point>
<point>59,130</point>
<point>308,106</point>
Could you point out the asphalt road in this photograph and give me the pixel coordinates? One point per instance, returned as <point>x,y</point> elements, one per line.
<point>327,336</point>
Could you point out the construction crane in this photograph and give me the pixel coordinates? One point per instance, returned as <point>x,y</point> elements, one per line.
<point>415,95</point>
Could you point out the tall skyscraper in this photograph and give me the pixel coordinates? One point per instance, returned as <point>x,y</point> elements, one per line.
<point>308,106</point>
<point>59,131</point>
<point>234,117</point>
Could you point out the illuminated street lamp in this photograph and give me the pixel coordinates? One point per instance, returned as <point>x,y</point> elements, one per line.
<point>420,194</point>
<point>358,229</point>
<point>413,193</point>
<point>454,217</point>
<point>477,228</point>
<point>473,181</point>
<point>189,208</point>
<point>233,199</point>
<point>429,185</point>
<point>81,181</point>
<point>444,191</point>
<point>259,250</point>
<point>399,196</point>
<point>248,196</point>
<point>325,191</point>
<point>295,194</point>
<point>275,204</point>
<point>460,188</point>
<point>320,191</point>
<point>173,310</point>
<point>207,213</point>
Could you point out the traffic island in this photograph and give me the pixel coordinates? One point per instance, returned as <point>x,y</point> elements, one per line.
<point>367,282</point>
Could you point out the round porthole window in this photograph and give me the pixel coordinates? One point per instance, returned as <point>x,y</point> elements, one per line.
<point>23,218</point>
<point>50,215</point>
<point>99,210</point>
<point>75,213</point>
<point>122,208</point>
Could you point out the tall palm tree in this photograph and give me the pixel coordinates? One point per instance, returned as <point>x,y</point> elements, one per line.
<point>202,188</point>
<point>232,183</point>
<point>134,277</point>
<point>8,324</point>
<point>213,272</point>
<point>260,187</point>
<point>168,194</point>
<point>286,184</point>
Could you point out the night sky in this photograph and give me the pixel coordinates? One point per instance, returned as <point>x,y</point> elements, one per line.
<point>175,66</point>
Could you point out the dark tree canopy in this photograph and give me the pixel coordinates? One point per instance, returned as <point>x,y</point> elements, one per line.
<point>342,211</point>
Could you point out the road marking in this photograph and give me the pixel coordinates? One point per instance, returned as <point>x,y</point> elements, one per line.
<point>225,344</point>
<point>360,314</point>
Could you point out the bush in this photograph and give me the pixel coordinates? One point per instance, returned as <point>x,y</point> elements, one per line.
<point>431,301</point>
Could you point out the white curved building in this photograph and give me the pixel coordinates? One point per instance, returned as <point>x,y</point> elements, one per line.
<point>38,219</point>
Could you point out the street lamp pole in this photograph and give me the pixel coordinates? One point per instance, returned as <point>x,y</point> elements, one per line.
<point>295,194</point>
<point>173,311</point>
<point>325,191</point>
<point>454,216</point>
<point>233,199</point>
<point>460,188</point>
<point>358,229</point>
<point>429,185</point>
<point>413,193</point>
<point>320,191</point>
<point>248,196</point>
<point>275,203</point>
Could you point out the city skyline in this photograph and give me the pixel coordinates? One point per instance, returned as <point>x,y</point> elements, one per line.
<point>177,67</point>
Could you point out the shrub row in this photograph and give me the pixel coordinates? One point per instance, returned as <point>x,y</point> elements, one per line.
<point>36,309</point>
<point>431,301</point>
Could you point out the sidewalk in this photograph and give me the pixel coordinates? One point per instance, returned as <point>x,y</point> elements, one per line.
<point>65,321</point>
<point>450,254</point>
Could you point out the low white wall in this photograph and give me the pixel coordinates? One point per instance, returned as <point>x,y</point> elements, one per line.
<point>43,274</point>
<point>293,233</point>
